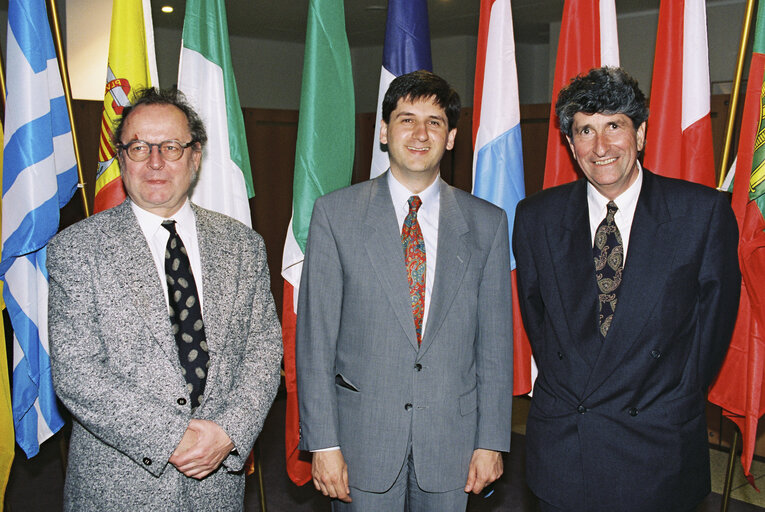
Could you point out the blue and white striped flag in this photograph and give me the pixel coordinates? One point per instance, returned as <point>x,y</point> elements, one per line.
<point>406,49</point>
<point>498,154</point>
<point>40,177</point>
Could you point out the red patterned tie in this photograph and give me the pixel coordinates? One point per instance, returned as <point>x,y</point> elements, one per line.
<point>414,256</point>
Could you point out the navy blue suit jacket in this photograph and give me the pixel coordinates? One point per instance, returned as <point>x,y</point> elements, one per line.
<point>620,424</point>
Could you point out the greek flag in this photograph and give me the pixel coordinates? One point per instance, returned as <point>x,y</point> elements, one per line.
<point>40,176</point>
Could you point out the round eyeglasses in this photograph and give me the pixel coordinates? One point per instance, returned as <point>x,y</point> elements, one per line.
<point>139,150</point>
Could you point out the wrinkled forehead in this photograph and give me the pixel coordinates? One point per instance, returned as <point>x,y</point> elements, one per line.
<point>155,123</point>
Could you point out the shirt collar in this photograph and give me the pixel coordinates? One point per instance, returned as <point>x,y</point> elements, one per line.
<point>151,222</point>
<point>400,194</point>
<point>624,201</point>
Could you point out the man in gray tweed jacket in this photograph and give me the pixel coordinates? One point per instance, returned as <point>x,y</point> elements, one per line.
<point>144,438</point>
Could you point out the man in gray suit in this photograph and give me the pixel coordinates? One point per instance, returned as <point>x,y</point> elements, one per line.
<point>404,357</point>
<point>165,345</point>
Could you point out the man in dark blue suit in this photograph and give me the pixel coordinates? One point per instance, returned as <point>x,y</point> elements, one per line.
<point>628,285</point>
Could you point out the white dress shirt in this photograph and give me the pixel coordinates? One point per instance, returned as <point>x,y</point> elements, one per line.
<point>427,217</point>
<point>626,203</point>
<point>157,236</point>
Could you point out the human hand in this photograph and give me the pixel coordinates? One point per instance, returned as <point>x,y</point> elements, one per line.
<point>330,474</point>
<point>485,467</point>
<point>202,449</point>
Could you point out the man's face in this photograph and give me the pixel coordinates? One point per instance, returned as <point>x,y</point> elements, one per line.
<point>417,136</point>
<point>606,147</point>
<point>156,185</point>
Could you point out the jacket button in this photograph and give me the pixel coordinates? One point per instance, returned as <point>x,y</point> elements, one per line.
<point>560,355</point>
<point>633,412</point>
<point>408,407</point>
<point>147,461</point>
<point>418,367</point>
<point>181,401</point>
<point>581,409</point>
<point>655,354</point>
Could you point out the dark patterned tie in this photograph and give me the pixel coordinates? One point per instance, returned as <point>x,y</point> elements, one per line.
<point>609,261</point>
<point>186,315</point>
<point>414,256</point>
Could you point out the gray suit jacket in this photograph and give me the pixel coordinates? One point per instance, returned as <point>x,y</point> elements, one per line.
<point>115,362</point>
<point>363,382</point>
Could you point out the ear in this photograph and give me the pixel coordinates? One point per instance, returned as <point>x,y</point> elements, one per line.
<point>383,132</point>
<point>196,157</point>
<point>571,145</point>
<point>640,135</point>
<point>450,138</point>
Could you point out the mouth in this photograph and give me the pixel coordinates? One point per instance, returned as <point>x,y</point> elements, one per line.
<point>606,161</point>
<point>417,150</point>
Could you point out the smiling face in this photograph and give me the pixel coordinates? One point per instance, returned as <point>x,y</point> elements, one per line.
<point>606,147</point>
<point>156,185</point>
<point>417,136</point>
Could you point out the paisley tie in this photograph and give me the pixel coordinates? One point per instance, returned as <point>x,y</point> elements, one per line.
<point>414,256</point>
<point>608,252</point>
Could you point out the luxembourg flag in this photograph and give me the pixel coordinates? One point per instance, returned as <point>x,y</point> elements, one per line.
<point>406,49</point>
<point>680,124</point>
<point>498,155</point>
<point>588,39</point>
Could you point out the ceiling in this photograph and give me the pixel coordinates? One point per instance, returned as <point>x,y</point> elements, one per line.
<point>285,20</point>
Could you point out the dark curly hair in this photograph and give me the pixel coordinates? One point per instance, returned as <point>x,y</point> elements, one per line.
<point>605,90</point>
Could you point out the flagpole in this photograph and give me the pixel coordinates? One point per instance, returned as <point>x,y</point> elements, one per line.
<point>735,92</point>
<point>68,95</point>
<point>3,92</point>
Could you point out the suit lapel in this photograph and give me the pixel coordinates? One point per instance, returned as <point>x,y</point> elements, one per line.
<point>571,256</point>
<point>126,251</point>
<point>650,253</point>
<point>385,252</point>
<point>218,268</point>
<point>453,257</point>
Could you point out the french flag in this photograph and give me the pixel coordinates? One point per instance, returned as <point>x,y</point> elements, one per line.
<point>680,124</point>
<point>406,49</point>
<point>588,39</point>
<point>498,153</point>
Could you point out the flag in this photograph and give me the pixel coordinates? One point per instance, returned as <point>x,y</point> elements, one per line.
<point>131,67</point>
<point>587,40</point>
<point>39,177</point>
<point>7,443</point>
<point>323,163</point>
<point>740,385</point>
<point>206,77</point>
<point>498,152</point>
<point>406,49</point>
<point>680,123</point>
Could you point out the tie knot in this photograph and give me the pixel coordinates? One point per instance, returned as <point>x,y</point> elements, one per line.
<point>414,203</point>
<point>169,225</point>
<point>612,208</point>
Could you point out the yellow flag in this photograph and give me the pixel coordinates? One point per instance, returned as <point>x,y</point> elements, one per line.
<point>131,67</point>
<point>7,443</point>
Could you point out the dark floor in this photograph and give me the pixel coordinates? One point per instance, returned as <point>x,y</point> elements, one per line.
<point>37,484</point>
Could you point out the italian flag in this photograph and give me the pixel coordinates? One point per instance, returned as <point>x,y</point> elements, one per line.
<point>587,40</point>
<point>323,163</point>
<point>680,124</point>
<point>206,77</point>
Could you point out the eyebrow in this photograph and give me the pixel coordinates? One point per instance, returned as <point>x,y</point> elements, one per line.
<point>407,113</point>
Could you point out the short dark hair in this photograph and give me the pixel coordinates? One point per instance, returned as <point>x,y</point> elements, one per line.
<point>606,90</point>
<point>156,96</point>
<point>422,85</point>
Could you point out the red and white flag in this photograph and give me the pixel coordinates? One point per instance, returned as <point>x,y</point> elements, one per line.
<point>587,40</point>
<point>680,126</point>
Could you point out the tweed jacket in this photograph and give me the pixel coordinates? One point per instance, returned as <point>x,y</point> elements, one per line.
<point>115,361</point>
<point>364,384</point>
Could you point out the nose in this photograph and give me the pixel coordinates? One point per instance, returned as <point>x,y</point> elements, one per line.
<point>600,146</point>
<point>421,132</point>
<point>155,160</point>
